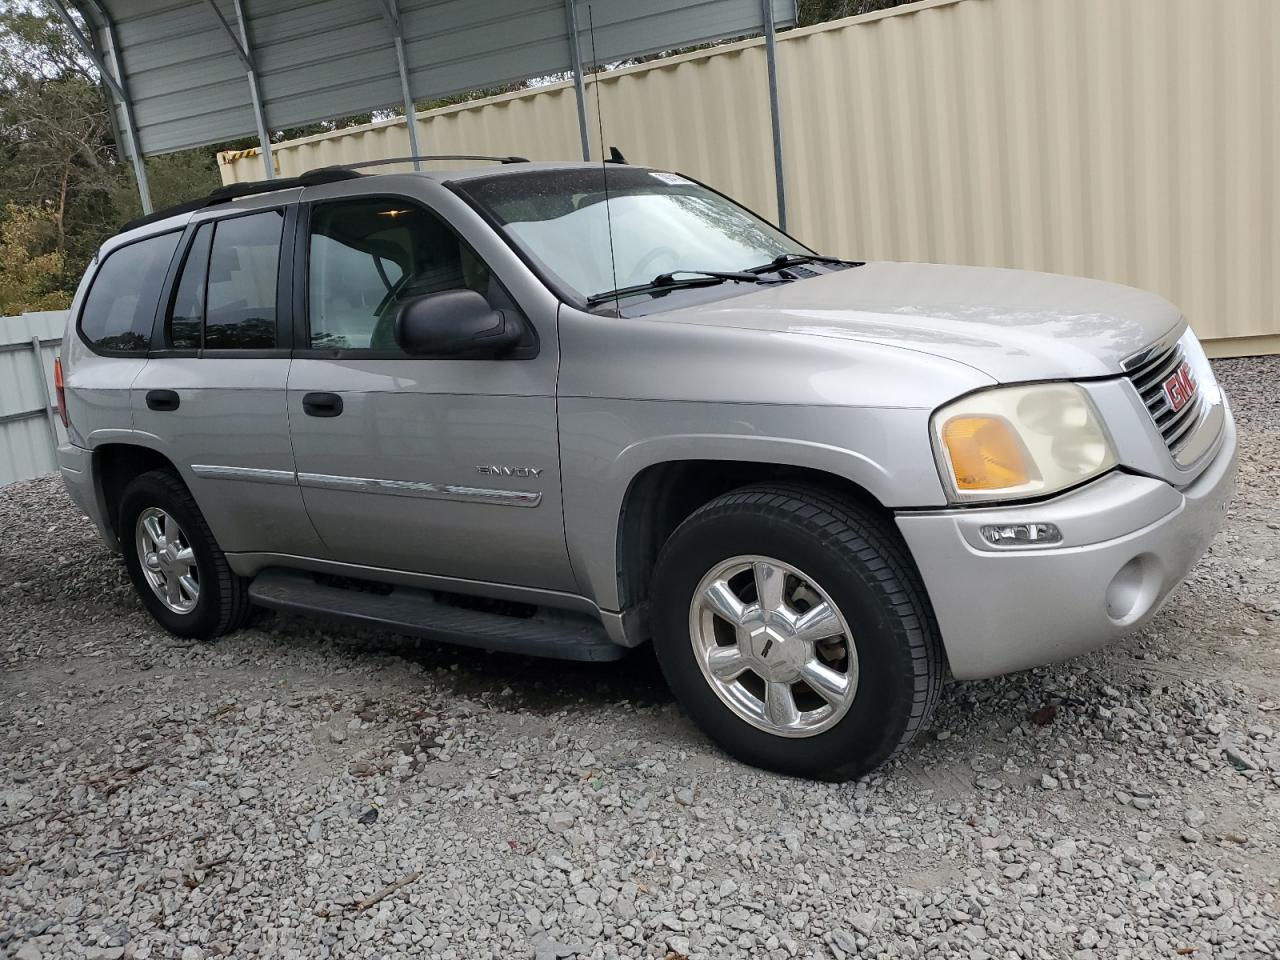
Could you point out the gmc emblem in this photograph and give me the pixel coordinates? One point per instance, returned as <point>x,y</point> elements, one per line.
<point>1180,387</point>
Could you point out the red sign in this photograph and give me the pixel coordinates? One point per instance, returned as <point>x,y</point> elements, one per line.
<point>1180,387</point>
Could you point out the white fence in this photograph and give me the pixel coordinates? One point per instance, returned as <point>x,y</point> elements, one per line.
<point>29,426</point>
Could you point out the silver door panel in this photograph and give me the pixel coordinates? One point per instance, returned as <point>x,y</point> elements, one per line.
<point>231,422</point>
<point>395,480</point>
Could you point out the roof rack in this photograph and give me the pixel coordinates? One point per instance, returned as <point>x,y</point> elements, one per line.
<point>441,156</point>
<point>234,191</point>
<point>312,178</point>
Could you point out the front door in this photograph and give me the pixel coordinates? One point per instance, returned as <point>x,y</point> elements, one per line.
<point>440,466</point>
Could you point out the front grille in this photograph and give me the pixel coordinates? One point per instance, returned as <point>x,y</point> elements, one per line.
<point>1148,377</point>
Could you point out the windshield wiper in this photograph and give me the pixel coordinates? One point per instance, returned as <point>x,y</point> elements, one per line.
<point>675,280</point>
<point>785,260</point>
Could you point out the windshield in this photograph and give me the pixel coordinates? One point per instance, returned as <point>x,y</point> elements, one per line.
<point>661,222</point>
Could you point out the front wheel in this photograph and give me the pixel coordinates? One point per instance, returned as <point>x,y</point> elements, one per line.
<point>794,630</point>
<point>179,571</point>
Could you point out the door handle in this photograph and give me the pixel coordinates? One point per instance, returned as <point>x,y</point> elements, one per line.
<point>162,400</point>
<point>321,404</point>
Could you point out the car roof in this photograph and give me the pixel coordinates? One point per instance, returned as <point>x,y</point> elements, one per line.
<point>506,170</point>
<point>176,216</point>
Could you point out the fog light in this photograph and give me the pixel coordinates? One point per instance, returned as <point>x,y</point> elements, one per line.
<point>1134,589</point>
<point>1021,534</point>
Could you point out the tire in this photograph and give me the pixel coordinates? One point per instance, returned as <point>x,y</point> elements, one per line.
<point>829,549</point>
<point>221,601</point>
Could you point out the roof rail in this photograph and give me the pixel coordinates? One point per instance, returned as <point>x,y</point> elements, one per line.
<point>330,174</point>
<point>234,191</point>
<point>442,156</point>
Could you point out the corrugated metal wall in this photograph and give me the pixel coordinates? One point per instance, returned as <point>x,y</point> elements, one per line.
<point>322,58</point>
<point>26,447</point>
<point>1131,140</point>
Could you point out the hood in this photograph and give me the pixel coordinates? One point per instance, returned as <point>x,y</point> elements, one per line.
<point>1013,325</point>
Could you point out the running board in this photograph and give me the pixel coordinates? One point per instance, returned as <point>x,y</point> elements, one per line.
<point>549,633</point>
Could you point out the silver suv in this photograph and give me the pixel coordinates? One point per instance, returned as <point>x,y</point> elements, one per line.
<point>566,409</point>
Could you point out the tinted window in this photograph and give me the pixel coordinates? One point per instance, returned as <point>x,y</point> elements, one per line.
<point>226,294</point>
<point>240,299</point>
<point>182,329</point>
<point>121,305</point>
<point>369,256</point>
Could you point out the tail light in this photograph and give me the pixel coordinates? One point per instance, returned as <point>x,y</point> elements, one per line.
<point>61,391</point>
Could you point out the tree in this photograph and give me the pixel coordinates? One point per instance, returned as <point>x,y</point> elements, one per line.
<point>55,133</point>
<point>809,12</point>
<point>30,262</point>
<point>59,163</point>
<point>60,166</point>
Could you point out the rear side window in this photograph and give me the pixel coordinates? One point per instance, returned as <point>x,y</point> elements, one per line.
<point>183,326</point>
<point>226,295</point>
<point>240,302</point>
<point>121,305</point>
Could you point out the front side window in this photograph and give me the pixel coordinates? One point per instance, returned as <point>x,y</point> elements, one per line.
<point>121,304</point>
<point>654,223</point>
<point>366,257</point>
<point>226,294</point>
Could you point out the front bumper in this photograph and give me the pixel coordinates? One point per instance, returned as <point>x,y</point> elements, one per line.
<point>1127,542</point>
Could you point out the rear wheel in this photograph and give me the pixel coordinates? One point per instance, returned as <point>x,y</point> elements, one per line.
<point>179,571</point>
<point>793,628</point>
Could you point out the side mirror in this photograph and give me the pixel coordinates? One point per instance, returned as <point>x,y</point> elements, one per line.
<point>456,323</point>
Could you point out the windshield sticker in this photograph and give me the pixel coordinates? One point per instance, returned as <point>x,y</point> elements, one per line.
<point>672,179</point>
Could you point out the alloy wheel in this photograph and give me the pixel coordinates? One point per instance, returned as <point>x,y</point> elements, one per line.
<point>168,562</point>
<point>773,646</point>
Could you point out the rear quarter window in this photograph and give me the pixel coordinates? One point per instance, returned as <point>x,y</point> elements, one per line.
<point>120,307</point>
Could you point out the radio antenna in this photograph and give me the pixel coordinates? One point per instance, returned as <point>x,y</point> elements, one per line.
<point>604,165</point>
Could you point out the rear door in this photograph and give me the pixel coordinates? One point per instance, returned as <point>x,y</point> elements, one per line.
<point>440,466</point>
<point>212,396</point>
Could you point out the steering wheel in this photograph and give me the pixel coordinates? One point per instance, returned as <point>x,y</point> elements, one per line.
<point>383,336</point>
<point>647,263</point>
<point>393,293</point>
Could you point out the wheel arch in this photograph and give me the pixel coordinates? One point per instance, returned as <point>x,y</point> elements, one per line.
<point>662,495</point>
<point>114,466</point>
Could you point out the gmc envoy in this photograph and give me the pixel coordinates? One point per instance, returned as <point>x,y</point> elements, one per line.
<point>566,409</point>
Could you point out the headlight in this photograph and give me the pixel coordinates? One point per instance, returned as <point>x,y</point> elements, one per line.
<point>1012,442</point>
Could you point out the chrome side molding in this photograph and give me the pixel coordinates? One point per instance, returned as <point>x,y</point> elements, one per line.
<point>426,490</point>
<point>254,474</point>
<point>396,488</point>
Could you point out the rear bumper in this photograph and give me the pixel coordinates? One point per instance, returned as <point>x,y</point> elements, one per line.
<point>1127,542</point>
<point>75,465</point>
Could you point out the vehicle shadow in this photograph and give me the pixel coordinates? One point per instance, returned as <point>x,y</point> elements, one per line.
<point>538,685</point>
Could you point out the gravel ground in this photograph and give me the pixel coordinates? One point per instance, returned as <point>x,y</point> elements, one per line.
<point>258,795</point>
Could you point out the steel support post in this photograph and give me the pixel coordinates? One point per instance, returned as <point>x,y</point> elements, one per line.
<point>391,12</point>
<point>117,85</point>
<point>579,85</point>
<point>255,93</point>
<point>775,112</point>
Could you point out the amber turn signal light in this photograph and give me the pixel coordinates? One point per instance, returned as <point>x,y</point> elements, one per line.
<point>60,391</point>
<point>986,453</point>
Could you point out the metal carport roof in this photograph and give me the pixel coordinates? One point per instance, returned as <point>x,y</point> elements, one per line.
<point>185,73</point>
